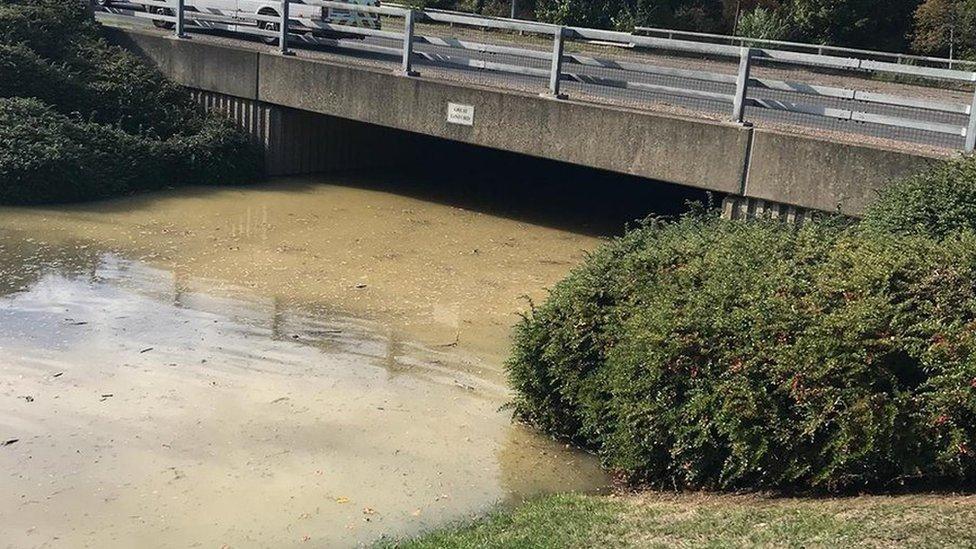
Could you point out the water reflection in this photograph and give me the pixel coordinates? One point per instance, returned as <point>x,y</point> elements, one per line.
<point>154,407</point>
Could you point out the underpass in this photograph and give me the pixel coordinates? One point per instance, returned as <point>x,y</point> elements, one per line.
<point>663,115</point>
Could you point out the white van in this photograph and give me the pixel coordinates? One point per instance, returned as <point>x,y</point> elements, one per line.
<point>237,14</point>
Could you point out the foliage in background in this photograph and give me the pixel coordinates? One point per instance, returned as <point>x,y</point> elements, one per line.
<point>763,23</point>
<point>707,354</point>
<point>83,119</point>
<point>941,22</point>
<point>852,23</point>
<point>699,15</point>
<point>893,26</point>
<point>499,8</point>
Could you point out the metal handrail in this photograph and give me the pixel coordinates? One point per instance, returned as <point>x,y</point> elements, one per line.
<point>819,48</point>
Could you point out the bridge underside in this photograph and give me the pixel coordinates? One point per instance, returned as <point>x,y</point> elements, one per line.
<point>758,164</point>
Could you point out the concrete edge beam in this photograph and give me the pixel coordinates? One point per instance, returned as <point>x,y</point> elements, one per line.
<point>825,175</point>
<point>195,63</point>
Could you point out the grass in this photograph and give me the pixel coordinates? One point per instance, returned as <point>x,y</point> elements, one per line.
<point>657,519</point>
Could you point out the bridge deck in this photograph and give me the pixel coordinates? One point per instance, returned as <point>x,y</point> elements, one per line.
<point>443,63</point>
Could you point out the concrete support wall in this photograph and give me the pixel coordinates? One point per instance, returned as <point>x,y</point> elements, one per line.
<point>823,175</point>
<point>726,158</point>
<point>301,142</point>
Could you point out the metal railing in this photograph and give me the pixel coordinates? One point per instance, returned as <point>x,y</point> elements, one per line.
<point>742,84</point>
<point>805,47</point>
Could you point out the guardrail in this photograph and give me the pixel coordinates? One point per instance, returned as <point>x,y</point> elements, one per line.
<point>635,79</point>
<point>805,47</point>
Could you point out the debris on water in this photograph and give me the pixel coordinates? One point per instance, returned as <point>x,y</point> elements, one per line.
<point>369,511</point>
<point>342,499</point>
<point>146,350</point>
<point>324,332</point>
<point>9,441</point>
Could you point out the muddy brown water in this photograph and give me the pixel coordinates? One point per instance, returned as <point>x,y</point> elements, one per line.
<point>300,363</point>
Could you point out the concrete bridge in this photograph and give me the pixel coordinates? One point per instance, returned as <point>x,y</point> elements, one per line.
<point>315,112</point>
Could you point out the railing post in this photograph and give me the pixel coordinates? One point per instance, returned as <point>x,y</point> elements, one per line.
<point>283,29</point>
<point>971,127</point>
<point>741,85</point>
<point>180,8</point>
<point>408,22</point>
<point>556,71</point>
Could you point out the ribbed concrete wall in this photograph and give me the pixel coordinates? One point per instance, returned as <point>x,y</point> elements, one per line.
<point>744,207</point>
<point>301,142</point>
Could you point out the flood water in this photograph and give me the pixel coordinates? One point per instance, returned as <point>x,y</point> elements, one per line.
<point>308,362</point>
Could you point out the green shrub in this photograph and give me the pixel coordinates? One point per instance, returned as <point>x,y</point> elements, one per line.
<point>121,89</point>
<point>46,156</point>
<point>49,83</point>
<point>84,119</point>
<point>703,353</point>
<point>49,27</point>
<point>82,73</point>
<point>936,202</point>
<point>216,154</point>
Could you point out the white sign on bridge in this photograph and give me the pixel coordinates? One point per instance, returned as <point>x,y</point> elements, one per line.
<point>460,114</point>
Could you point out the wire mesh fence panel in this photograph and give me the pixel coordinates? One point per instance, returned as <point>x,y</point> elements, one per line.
<point>820,49</point>
<point>611,76</point>
<point>866,106</point>
<point>851,130</point>
<point>486,57</point>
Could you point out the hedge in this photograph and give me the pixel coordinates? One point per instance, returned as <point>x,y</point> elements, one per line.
<point>83,119</point>
<point>46,156</point>
<point>701,353</point>
<point>936,202</point>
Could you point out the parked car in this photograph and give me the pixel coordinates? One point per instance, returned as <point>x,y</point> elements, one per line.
<point>238,15</point>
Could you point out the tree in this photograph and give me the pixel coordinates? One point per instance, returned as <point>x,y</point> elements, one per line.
<point>853,23</point>
<point>763,23</point>
<point>942,26</point>
<point>698,15</point>
<point>584,13</point>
